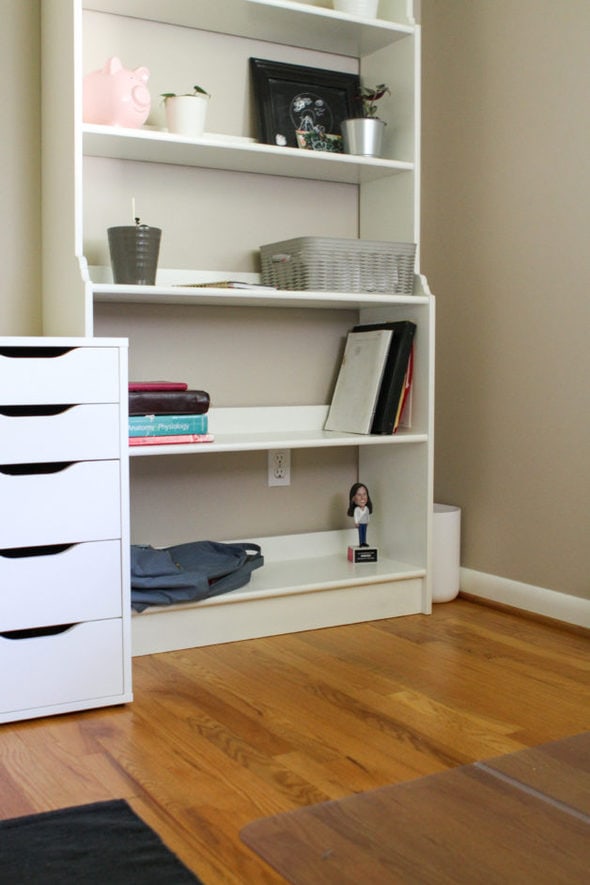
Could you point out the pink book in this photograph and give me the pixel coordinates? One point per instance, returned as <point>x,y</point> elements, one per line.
<point>173,438</point>
<point>157,385</point>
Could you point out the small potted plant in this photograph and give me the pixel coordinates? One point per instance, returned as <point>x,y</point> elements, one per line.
<point>364,135</point>
<point>186,114</point>
<point>369,96</point>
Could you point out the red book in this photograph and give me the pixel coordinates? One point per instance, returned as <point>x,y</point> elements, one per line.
<point>173,438</point>
<point>157,385</point>
<point>403,411</point>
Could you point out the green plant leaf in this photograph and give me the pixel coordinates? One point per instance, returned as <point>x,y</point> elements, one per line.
<point>197,90</point>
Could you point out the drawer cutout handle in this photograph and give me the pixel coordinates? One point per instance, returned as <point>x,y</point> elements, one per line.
<point>34,352</point>
<point>34,411</point>
<point>27,552</point>
<point>27,469</point>
<point>37,632</point>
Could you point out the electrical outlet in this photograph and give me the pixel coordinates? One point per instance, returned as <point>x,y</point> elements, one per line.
<point>279,467</point>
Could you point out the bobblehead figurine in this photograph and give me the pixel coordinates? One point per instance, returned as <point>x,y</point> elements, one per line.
<point>360,507</point>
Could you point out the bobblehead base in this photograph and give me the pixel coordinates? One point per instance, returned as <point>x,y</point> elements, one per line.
<point>362,554</point>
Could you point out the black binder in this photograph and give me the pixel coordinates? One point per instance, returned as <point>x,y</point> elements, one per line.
<point>394,373</point>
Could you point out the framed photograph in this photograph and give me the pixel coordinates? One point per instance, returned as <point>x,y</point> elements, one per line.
<point>303,107</point>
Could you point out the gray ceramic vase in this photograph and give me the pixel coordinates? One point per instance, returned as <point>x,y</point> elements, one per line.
<point>134,254</point>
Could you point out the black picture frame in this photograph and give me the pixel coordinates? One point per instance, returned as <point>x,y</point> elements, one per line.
<point>314,100</point>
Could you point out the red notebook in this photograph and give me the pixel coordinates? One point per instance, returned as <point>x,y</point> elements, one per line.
<point>169,440</point>
<point>157,385</point>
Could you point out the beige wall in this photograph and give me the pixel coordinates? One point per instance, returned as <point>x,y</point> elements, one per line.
<point>506,195</point>
<point>20,168</point>
<point>506,221</point>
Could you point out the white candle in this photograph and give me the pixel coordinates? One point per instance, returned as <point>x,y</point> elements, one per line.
<point>133,209</point>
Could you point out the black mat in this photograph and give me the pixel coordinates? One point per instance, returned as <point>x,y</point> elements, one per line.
<point>105,843</point>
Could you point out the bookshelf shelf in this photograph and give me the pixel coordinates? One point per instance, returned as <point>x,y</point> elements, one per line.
<point>305,583</point>
<point>276,21</point>
<point>264,442</point>
<point>295,427</point>
<point>217,199</point>
<point>162,294</point>
<point>215,152</point>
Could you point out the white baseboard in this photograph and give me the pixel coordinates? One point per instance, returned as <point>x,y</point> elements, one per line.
<point>550,603</point>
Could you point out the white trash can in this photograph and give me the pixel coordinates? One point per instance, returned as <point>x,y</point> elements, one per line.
<point>446,552</point>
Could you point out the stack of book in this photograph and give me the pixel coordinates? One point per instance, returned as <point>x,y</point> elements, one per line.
<point>166,412</point>
<point>373,388</point>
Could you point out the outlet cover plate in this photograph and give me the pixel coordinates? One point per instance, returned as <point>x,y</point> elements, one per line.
<point>279,467</point>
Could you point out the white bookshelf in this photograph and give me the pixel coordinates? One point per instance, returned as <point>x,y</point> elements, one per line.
<point>328,589</point>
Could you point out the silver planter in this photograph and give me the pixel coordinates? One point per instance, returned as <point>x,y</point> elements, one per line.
<point>363,136</point>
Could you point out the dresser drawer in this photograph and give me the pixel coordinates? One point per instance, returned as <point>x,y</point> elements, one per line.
<point>40,586</point>
<point>84,661</point>
<point>58,375</point>
<point>80,502</point>
<point>75,433</point>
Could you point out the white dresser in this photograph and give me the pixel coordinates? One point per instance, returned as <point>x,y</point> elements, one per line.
<point>64,537</point>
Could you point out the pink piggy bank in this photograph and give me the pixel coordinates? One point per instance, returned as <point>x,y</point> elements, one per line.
<point>116,96</point>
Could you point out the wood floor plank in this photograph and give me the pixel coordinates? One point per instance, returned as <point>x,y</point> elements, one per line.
<point>462,732</point>
<point>222,735</point>
<point>334,712</point>
<point>419,713</point>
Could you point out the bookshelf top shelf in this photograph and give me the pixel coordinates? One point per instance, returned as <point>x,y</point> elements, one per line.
<point>278,21</point>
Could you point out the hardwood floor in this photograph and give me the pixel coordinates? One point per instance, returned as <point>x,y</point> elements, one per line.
<point>220,736</point>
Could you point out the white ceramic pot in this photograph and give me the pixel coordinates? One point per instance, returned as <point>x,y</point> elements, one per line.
<point>186,114</point>
<point>362,8</point>
<point>363,136</point>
